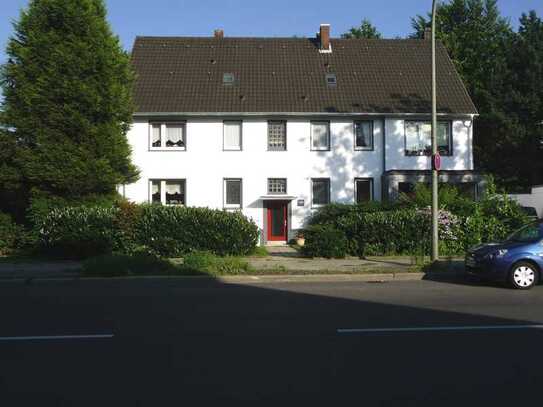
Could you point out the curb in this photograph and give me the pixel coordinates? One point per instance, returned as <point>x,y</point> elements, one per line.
<point>252,279</point>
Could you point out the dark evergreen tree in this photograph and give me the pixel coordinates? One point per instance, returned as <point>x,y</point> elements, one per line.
<point>366,30</point>
<point>68,103</point>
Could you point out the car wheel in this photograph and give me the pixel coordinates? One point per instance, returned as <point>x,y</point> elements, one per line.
<point>523,275</point>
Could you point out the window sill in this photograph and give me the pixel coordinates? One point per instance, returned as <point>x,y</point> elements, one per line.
<point>423,154</point>
<point>168,149</point>
<point>363,149</point>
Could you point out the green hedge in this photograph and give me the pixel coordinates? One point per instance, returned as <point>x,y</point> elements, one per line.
<point>80,232</point>
<point>10,234</point>
<point>324,241</point>
<point>175,231</point>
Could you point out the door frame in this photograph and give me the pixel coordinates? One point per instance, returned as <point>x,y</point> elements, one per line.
<point>273,204</point>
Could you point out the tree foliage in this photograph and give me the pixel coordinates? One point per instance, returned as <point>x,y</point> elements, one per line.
<point>502,70</point>
<point>366,30</point>
<point>68,103</point>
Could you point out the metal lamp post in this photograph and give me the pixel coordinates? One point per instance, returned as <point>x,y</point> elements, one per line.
<point>435,157</point>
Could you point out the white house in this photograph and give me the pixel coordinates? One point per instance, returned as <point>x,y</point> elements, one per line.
<point>276,127</point>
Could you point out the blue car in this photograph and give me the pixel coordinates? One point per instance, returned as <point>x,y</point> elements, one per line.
<point>518,260</point>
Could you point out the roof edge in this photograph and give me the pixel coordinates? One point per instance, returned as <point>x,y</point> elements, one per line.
<point>297,114</point>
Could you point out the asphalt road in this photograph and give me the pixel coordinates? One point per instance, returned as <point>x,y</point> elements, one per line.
<point>202,342</point>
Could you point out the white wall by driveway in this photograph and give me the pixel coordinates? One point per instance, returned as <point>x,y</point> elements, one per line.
<point>534,199</point>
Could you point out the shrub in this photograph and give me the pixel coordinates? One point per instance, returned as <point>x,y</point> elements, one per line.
<point>119,265</point>
<point>207,262</point>
<point>10,234</point>
<point>176,231</point>
<point>324,241</point>
<point>80,232</point>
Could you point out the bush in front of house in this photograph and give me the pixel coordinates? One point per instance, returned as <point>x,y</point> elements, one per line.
<point>80,232</point>
<point>10,234</point>
<point>175,231</point>
<point>324,241</point>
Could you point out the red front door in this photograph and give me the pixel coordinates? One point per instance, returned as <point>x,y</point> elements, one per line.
<point>277,220</point>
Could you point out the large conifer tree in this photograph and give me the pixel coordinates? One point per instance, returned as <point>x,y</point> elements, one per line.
<point>68,102</point>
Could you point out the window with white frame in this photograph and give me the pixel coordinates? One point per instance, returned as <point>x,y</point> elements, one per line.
<point>363,189</point>
<point>277,135</point>
<point>320,191</point>
<point>320,136</point>
<point>232,135</point>
<point>277,186</point>
<point>232,193</point>
<point>418,138</point>
<point>363,135</point>
<point>168,136</point>
<point>168,192</point>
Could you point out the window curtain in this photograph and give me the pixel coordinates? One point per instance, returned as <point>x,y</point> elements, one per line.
<point>174,134</point>
<point>156,135</point>
<point>174,188</point>
<point>232,136</point>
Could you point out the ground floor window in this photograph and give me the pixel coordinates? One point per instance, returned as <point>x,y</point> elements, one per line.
<point>232,192</point>
<point>320,191</point>
<point>363,189</point>
<point>168,192</point>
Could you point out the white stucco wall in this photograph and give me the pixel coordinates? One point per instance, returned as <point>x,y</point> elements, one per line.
<point>204,164</point>
<point>462,158</point>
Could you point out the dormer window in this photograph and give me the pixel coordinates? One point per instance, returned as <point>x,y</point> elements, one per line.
<point>331,80</point>
<point>228,78</point>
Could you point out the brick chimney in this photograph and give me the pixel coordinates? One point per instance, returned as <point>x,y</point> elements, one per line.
<point>324,37</point>
<point>427,33</point>
<point>218,34</point>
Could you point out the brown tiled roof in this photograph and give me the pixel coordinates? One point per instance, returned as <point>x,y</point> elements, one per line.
<point>281,75</point>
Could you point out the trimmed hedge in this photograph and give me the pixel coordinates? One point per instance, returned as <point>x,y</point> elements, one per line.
<point>324,241</point>
<point>80,232</point>
<point>175,231</point>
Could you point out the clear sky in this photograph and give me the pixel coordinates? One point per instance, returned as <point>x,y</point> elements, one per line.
<point>280,18</point>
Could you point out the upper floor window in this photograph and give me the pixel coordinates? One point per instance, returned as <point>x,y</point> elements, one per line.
<point>320,191</point>
<point>418,138</point>
<point>320,136</point>
<point>165,136</point>
<point>277,135</point>
<point>277,186</point>
<point>167,192</point>
<point>232,193</point>
<point>363,135</point>
<point>232,135</point>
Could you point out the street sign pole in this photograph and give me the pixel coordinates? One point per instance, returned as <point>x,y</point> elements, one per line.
<point>435,178</point>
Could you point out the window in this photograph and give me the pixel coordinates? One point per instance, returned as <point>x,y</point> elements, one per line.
<point>331,80</point>
<point>320,136</point>
<point>232,193</point>
<point>277,186</point>
<point>363,189</point>
<point>168,192</point>
<point>228,78</point>
<point>320,188</point>
<point>175,136</point>
<point>418,138</point>
<point>363,135</point>
<point>277,135</point>
<point>155,192</point>
<point>232,136</point>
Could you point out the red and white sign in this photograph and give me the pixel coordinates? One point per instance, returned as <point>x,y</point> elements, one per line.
<point>436,162</point>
